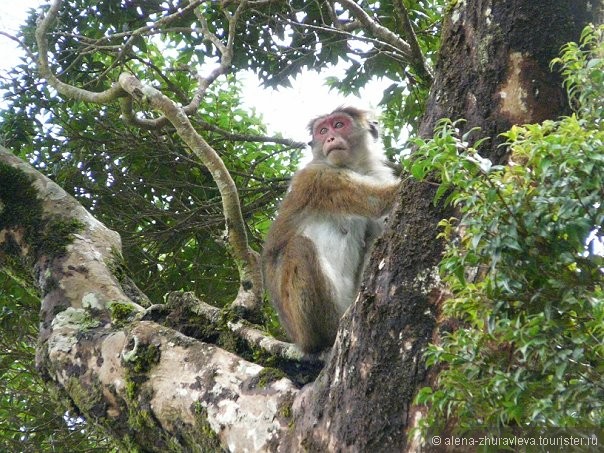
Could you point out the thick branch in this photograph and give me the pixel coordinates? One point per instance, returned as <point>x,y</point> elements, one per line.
<point>254,337</point>
<point>122,373</point>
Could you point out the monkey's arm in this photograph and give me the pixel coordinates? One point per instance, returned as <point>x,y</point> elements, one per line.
<point>340,191</point>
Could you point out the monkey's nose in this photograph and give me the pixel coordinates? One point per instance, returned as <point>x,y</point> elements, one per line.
<point>330,139</point>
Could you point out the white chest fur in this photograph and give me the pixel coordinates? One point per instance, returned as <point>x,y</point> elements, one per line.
<point>340,245</point>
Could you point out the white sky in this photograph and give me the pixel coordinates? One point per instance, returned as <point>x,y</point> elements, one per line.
<point>12,14</point>
<point>286,110</point>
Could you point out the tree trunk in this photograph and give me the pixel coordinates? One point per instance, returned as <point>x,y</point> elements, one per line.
<point>494,72</point>
<point>494,67</point>
<point>155,388</point>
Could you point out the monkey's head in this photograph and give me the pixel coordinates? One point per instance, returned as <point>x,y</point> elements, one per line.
<point>343,138</point>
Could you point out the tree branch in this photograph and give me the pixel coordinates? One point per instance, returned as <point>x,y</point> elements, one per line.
<point>255,338</point>
<point>44,24</point>
<point>248,261</point>
<point>251,138</point>
<point>409,50</point>
<point>226,52</point>
<point>20,43</point>
<point>376,29</point>
<point>120,371</point>
<point>417,58</point>
<point>226,58</point>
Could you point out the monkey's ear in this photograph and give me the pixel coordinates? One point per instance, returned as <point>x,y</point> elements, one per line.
<point>373,130</point>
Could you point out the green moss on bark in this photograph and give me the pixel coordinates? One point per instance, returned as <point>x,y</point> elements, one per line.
<point>21,211</point>
<point>121,313</point>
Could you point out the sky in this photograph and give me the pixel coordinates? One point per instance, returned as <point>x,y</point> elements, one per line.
<point>286,110</point>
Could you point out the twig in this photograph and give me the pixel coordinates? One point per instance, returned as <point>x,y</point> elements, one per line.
<point>21,44</point>
<point>376,29</point>
<point>417,58</point>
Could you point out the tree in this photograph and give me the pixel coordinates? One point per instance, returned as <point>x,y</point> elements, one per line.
<point>185,374</point>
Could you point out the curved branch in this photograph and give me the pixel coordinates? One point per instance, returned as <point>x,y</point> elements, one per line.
<point>115,92</point>
<point>226,58</point>
<point>248,261</point>
<point>44,24</point>
<point>225,50</point>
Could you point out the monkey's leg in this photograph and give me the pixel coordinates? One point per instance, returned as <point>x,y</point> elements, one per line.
<point>307,300</point>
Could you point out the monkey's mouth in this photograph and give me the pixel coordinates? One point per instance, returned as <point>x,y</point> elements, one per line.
<point>335,148</point>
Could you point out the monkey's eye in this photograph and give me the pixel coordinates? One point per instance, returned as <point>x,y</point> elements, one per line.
<point>323,131</point>
<point>338,125</point>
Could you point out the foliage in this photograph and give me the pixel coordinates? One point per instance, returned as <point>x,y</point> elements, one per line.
<point>525,265</point>
<point>145,184</point>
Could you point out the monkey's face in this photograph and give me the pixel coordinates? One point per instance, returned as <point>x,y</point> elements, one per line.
<point>334,137</point>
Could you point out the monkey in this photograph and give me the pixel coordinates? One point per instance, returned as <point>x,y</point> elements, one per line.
<point>316,248</point>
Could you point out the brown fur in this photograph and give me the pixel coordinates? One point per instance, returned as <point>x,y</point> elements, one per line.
<point>334,198</point>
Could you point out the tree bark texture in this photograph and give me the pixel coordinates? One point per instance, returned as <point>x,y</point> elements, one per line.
<point>153,387</point>
<point>147,385</point>
<point>493,71</point>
